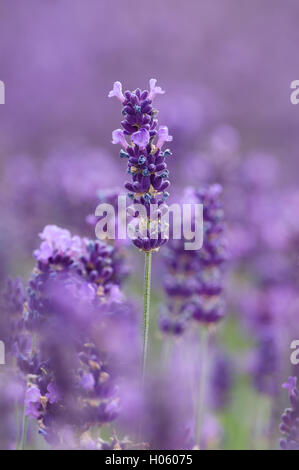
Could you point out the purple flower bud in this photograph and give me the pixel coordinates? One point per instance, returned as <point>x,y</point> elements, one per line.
<point>32,402</point>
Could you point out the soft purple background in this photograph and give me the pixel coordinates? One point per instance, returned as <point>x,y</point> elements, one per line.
<point>59,58</point>
<point>226,66</point>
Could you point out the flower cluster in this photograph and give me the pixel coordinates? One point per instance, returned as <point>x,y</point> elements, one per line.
<point>290,418</point>
<point>194,282</point>
<point>72,300</point>
<point>142,141</point>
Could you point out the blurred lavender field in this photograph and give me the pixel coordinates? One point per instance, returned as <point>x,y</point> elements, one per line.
<point>226,67</point>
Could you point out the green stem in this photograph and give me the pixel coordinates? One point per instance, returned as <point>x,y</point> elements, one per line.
<point>200,410</point>
<point>147,297</point>
<point>23,440</point>
<point>24,432</point>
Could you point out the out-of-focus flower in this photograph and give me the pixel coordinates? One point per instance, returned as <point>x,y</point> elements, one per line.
<point>58,241</point>
<point>118,137</point>
<point>163,136</point>
<point>72,301</point>
<point>194,282</point>
<point>154,90</point>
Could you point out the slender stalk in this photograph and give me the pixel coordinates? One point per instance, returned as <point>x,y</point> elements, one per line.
<point>23,440</point>
<point>200,410</point>
<point>147,297</point>
<point>24,432</point>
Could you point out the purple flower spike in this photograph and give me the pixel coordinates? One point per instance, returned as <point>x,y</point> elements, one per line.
<point>118,137</point>
<point>163,136</point>
<point>141,138</point>
<point>117,92</point>
<point>146,163</point>
<point>72,303</point>
<point>154,90</point>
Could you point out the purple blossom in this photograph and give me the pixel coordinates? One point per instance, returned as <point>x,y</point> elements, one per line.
<point>141,138</point>
<point>163,136</point>
<point>87,382</point>
<point>290,385</point>
<point>118,137</point>
<point>146,162</point>
<point>53,393</point>
<point>154,90</point>
<point>57,241</point>
<point>32,402</point>
<point>83,326</point>
<point>117,92</point>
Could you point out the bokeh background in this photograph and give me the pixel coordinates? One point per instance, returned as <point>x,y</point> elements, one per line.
<point>226,66</point>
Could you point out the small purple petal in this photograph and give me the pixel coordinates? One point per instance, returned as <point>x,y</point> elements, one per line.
<point>163,136</point>
<point>141,138</point>
<point>53,394</point>
<point>118,137</point>
<point>154,90</point>
<point>290,385</point>
<point>117,92</point>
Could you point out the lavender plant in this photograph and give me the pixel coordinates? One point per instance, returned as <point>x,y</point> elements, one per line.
<point>142,140</point>
<point>71,371</point>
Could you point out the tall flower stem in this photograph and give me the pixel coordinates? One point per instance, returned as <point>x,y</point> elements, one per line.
<point>146,317</point>
<point>203,372</point>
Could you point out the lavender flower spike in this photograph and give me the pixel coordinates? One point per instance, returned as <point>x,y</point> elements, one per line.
<point>143,140</point>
